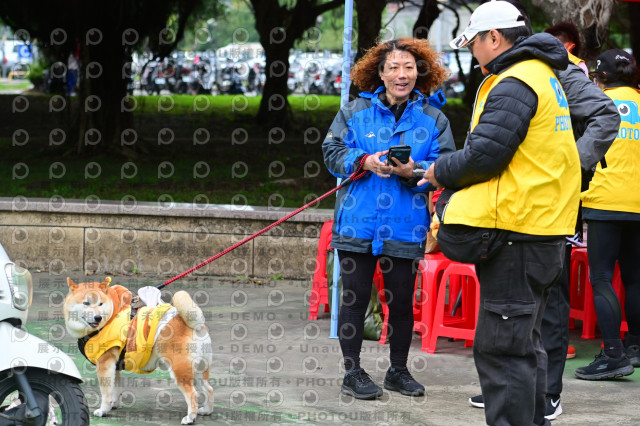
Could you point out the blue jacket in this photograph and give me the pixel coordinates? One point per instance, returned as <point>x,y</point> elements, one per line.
<point>384,215</point>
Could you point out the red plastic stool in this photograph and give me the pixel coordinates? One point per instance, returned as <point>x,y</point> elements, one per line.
<point>430,271</point>
<point>461,326</point>
<point>319,290</point>
<point>581,294</point>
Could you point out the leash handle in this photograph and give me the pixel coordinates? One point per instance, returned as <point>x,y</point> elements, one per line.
<point>359,173</point>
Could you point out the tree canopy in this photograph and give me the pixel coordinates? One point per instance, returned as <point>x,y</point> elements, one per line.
<point>102,35</point>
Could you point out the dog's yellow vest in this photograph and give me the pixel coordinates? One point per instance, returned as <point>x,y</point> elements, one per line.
<point>137,335</point>
<point>114,334</point>
<point>141,336</point>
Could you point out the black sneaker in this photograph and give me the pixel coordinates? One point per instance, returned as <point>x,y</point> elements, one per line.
<point>553,409</point>
<point>477,401</point>
<point>400,380</point>
<point>633,353</point>
<point>358,384</point>
<point>604,367</point>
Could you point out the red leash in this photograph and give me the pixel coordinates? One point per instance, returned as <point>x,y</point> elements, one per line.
<point>355,176</point>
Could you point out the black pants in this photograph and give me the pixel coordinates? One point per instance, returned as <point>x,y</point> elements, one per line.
<point>399,276</point>
<point>555,327</point>
<point>507,350</point>
<point>608,242</point>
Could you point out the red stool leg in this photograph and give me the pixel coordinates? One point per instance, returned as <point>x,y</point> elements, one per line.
<point>319,290</point>
<point>576,289</point>
<point>432,272</point>
<point>581,294</point>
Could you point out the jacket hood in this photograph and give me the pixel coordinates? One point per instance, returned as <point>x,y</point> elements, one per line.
<point>543,46</point>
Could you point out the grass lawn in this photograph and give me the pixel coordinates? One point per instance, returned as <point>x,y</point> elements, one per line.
<point>202,149</point>
<point>16,85</point>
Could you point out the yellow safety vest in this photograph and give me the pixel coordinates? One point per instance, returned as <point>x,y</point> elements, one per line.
<point>617,187</point>
<point>538,192</point>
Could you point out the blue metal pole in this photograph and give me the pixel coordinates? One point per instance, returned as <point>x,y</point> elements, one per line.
<point>344,99</point>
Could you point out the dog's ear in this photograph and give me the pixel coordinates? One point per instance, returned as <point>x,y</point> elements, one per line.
<point>125,296</point>
<point>104,285</point>
<point>72,286</point>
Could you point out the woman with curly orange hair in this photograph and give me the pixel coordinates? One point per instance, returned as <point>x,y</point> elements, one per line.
<point>383,217</point>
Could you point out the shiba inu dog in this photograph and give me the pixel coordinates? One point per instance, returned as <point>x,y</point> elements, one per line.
<point>175,336</point>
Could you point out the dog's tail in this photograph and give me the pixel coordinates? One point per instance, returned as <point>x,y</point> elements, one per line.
<point>188,310</point>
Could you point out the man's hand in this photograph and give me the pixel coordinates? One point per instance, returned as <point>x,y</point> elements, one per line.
<point>429,176</point>
<point>402,170</point>
<point>374,164</point>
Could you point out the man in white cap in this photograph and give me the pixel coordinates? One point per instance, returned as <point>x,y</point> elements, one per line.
<point>595,121</point>
<point>518,177</point>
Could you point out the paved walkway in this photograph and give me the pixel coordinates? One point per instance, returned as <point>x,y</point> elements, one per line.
<point>274,366</point>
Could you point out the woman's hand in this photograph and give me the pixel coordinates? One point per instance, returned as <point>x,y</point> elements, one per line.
<point>374,164</point>
<point>402,170</point>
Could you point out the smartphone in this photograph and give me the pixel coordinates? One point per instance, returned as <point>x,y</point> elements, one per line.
<point>399,152</point>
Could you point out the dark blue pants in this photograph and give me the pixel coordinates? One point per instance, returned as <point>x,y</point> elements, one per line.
<point>508,350</point>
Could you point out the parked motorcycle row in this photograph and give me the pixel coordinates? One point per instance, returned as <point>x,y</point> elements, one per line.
<point>196,77</point>
<point>308,74</point>
<point>318,73</point>
<point>315,74</point>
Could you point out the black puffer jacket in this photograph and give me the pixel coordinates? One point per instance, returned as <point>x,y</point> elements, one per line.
<point>505,119</point>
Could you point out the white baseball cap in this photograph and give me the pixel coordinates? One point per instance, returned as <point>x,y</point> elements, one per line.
<point>493,15</point>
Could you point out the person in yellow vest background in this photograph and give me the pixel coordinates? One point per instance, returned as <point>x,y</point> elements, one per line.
<point>611,207</point>
<point>518,172</point>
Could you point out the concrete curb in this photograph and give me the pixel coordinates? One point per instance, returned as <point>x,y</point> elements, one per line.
<point>96,236</point>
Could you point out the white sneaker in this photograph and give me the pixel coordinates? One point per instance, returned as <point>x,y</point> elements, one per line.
<point>554,408</point>
<point>477,401</point>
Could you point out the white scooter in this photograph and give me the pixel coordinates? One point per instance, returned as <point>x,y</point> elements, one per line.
<point>39,384</point>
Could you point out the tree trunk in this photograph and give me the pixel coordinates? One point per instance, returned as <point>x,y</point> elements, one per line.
<point>276,39</point>
<point>275,110</point>
<point>369,15</point>
<point>429,12</point>
<point>634,30</point>
<point>98,28</point>
<point>103,118</point>
<point>591,17</point>
<point>279,27</point>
